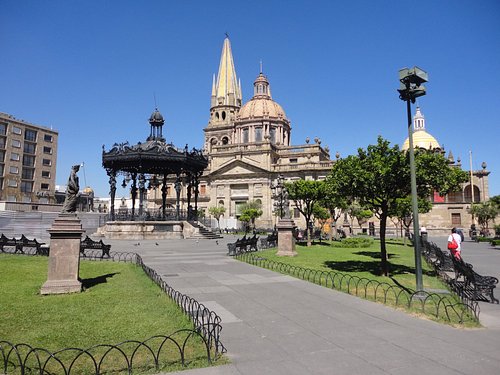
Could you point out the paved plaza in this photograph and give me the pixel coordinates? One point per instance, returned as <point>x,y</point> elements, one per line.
<point>275,324</point>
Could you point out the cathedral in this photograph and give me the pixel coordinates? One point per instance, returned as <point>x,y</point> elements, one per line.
<point>249,146</point>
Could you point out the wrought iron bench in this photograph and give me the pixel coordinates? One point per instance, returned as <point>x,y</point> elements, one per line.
<point>243,245</point>
<point>90,244</point>
<point>270,241</point>
<point>22,243</point>
<point>479,287</point>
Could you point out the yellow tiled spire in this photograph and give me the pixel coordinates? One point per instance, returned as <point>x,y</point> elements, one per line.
<point>227,87</point>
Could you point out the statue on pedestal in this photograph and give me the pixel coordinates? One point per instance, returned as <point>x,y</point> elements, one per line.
<point>71,199</point>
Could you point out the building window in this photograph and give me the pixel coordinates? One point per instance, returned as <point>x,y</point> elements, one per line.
<point>13,170</point>
<point>3,128</point>
<point>47,162</point>
<point>294,160</point>
<point>14,156</point>
<point>296,213</point>
<point>27,174</point>
<point>44,186</point>
<point>272,135</point>
<point>26,199</point>
<point>221,203</point>
<point>11,183</point>
<point>2,142</point>
<point>2,156</point>
<point>29,148</point>
<point>16,143</point>
<point>456,219</point>
<point>47,138</point>
<point>26,186</point>
<point>203,189</point>
<point>258,134</point>
<point>47,150</point>
<point>16,130</point>
<point>30,135</point>
<point>1,169</point>
<point>43,200</point>
<point>45,174</point>
<point>11,198</point>
<point>28,161</point>
<point>245,135</point>
<point>225,140</point>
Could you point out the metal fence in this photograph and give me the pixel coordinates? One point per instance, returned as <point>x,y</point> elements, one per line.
<point>434,304</point>
<point>126,356</point>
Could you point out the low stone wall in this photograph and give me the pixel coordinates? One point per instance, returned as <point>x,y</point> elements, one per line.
<point>142,230</point>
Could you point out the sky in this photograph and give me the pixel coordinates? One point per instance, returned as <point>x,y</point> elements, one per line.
<point>92,70</point>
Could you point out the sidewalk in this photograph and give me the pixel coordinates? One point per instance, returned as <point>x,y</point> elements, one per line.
<point>275,324</point>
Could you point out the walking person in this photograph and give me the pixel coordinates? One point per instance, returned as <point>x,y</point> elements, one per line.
<point>455,244</point>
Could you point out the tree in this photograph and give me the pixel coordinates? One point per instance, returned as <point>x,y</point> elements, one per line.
<point>217,212</point>
<point>249,212</point>
<point>304,194</point>
<point>378,176</point>
<point>355,211</point>
<point>321,214</point>
<point>402,211</point>
<point>335,203</point>
<point>484,212</point>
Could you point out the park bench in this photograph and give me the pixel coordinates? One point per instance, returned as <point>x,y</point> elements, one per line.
<point>90,244</point>
<point>270,241</point>
<point>479,287</point>
<point>22,243</point>
<point>243,245</point>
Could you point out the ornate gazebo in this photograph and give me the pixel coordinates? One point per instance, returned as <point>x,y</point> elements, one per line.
<point>149,165</point>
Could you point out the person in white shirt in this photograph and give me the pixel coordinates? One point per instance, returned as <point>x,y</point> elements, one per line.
<point>457,253</point>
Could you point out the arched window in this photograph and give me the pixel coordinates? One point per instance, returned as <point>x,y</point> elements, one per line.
<point>455,197</point>
<point>217,115</point>
<point>468,195</point>
<point>223,115</point>
<point>221,203</point>
<point>225,140</point>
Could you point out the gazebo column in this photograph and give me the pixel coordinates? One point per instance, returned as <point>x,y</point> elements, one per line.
<point>189,187</point>
<point>164,190</point>
<point>133,191</point>
<point>112,191</point>
<point>196,192</point>
<point>178,187</point>
<point>142,190</point>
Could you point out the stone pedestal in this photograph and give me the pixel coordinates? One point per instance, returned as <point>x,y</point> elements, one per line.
<point>64,258</point>
<point>286,241</point>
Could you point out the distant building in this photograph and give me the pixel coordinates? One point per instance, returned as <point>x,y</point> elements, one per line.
<point>452,210</point>
<point>28,156</point>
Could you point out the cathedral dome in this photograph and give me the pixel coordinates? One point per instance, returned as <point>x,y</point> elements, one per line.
<point>421,139</point>
<point>261,105</point>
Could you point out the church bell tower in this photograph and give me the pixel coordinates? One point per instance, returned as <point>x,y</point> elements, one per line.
<point>225,101</point>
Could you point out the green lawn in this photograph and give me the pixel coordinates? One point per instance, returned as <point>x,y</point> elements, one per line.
<point>119,303</point>
<point>362,267</point>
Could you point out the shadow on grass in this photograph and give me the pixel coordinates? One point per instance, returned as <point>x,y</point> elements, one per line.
<point>372,267</point>
<point>89,283</point>
<point>376,255</point>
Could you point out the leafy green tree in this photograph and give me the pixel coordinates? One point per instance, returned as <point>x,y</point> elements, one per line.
<point>402,211</point>
<point>355,211</point>
<point>304,194</point>
<point>249,212</point>
<point>321,214</point>
<point>217,212</point>
<point>484,212</point>
<point>335,203</point>
<point>378,176</point>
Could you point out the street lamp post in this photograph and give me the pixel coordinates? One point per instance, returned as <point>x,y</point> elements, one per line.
<point>411,88</point>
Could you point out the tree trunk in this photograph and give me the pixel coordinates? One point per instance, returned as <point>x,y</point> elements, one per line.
<point>383,251</point>
<point>309,243</point>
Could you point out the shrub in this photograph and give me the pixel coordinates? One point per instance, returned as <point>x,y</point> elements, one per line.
<point>354,242</point>
<point>495,242</point>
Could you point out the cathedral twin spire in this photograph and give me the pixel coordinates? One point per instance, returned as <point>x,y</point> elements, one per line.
<point>226,90</point>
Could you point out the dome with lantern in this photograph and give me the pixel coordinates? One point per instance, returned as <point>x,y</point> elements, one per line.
<point>421,138</point>
<point>261,104</point>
